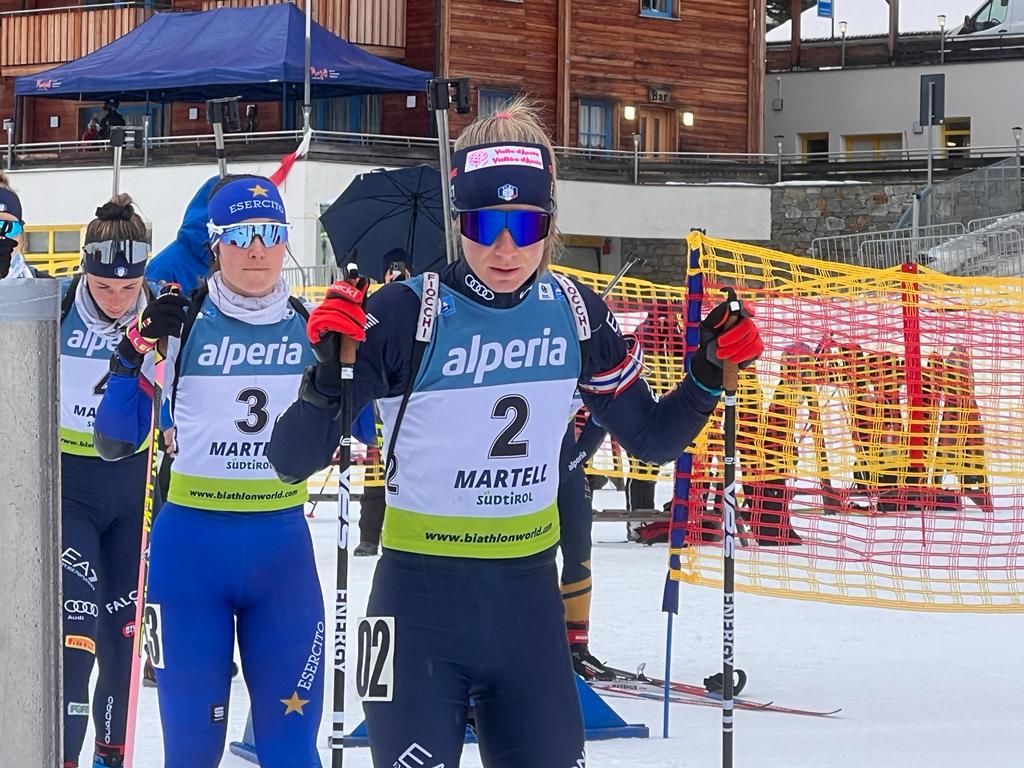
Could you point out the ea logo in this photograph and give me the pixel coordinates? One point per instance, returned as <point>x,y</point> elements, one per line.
<point>120,271</point>
<point>508,192</point>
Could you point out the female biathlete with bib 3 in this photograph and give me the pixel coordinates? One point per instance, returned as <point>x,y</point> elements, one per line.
<point>231,541</point>
<point>101,502</point>
<point>467,580</point>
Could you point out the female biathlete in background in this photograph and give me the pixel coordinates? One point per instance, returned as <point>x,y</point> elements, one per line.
<point>467,576</point>
<point>12,227</point>
<point>231,541</point>
<point>101,502</point>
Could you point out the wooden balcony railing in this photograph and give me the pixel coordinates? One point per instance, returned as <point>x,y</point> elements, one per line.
<point>33,39</point>
<point>54,36</point>
<point>376,23</point>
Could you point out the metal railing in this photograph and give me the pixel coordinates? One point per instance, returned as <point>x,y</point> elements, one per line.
<point>1014,221</point>
<point>301,279</point>
<point>574,162</point>
<point>884,249</point>
<point>989,252</point>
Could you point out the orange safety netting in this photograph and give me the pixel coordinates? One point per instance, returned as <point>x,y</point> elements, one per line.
<point>880,437</point>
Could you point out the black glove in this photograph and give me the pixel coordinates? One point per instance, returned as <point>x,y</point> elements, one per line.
<point>738,342</point>
<point>163,317</point>
<point>7,246</point>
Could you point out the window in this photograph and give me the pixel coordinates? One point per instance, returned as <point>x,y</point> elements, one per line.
<point>992,14</point>
<point>814,144</point>
<point>956,136</point>
<point>493,101</point>
<point>595,124</point>
<point>658,8</point>
<point>883,146</point>
<point>348,114</point>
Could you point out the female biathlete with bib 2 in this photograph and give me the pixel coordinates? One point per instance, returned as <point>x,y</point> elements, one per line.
<point>101,502</point>
<point>231,541</point>
<point>467,580</point>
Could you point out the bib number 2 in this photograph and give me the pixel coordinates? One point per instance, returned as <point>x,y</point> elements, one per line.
<point>375,669</point>
<point>506,446</point>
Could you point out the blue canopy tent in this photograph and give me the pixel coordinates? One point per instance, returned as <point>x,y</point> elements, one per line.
<point>257,53</point>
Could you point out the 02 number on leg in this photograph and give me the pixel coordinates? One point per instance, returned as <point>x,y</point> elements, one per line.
<point>375,668</point>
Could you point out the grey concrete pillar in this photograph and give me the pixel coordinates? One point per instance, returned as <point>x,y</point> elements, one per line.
<point>30,609</point>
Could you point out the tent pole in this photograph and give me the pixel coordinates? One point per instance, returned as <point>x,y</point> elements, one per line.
<point>284,106</point>
<point>306,105</point>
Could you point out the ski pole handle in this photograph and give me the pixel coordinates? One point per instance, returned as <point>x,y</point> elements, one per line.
<point>730,371</point>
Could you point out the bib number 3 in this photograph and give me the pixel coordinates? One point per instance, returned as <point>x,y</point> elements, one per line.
<point>375,669</point>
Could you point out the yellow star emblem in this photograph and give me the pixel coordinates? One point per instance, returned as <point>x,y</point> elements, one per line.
<point>294,704</point>
<point>258,191</point>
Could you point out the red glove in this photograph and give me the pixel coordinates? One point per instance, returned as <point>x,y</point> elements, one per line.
<point>340,312</point>
<point>741,344</point>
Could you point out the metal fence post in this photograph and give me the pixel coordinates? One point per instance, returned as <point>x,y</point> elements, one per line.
<point>9,127</point>
<point>30,550</point>
<point>636,158</point>
<point>778,157</point>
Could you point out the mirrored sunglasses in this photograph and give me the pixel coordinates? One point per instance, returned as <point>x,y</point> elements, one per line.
<point>486,224</point>
<point>110,251</point>
<point>242,235</point>
<point>11,228</point>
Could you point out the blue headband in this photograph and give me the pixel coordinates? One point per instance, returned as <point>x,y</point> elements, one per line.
<point>253,197</point>
<point>9,202</point>
<point>501,173</point>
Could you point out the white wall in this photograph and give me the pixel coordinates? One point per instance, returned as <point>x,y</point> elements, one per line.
<point>735,212</point>
<point>70,196</point>
<point>886,100</point>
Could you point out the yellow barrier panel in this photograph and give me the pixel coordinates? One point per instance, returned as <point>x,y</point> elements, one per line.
<point>54,249</point>
<point>880,437</point>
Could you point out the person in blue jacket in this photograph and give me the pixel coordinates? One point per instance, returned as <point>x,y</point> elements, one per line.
<point>465,601</point>
<point>101,502</point>
<point>231,546</point>
<point>186,260</point>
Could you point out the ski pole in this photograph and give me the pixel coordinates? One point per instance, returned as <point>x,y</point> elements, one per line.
<point>152,481</point>
<point>348,359</point>
<point>730,376</point>
<point>632,260</point>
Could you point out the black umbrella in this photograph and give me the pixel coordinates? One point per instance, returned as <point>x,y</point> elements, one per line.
<point>382,211</point>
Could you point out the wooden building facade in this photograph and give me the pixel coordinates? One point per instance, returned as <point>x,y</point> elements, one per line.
<point>682,75</point>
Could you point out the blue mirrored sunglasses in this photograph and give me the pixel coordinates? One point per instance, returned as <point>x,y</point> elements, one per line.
<point>486,224</point>
<point>242,235</point>
<point>11,228</point>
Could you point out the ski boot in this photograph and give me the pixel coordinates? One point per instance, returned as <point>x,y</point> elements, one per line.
<point>108,755</point>
<point>365,549</point>
<point>583,661</point>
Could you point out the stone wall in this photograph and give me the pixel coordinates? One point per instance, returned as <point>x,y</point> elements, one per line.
<point>800,213</point>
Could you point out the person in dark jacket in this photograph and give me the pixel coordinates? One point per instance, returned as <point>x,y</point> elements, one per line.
<point>186,260</point>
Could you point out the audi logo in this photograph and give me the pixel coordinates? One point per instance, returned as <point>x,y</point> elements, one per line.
<point>82,607</point>
<point>479,288</point>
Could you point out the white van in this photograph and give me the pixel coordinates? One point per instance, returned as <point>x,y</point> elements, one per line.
<point>996,17</point>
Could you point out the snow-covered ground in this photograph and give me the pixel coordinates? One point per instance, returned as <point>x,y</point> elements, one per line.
<point>918,690</point>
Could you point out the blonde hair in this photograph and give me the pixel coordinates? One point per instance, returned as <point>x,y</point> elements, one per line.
<point>518,121</point>
<point>116,220</point>
<point>4,181</point>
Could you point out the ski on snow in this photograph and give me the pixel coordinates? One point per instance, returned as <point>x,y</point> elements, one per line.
<point>639,686</point>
